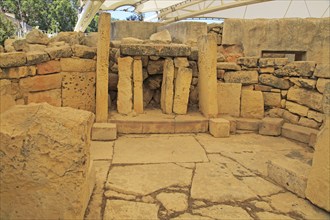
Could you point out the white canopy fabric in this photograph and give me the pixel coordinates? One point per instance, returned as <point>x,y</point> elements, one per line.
<point>168,11</point>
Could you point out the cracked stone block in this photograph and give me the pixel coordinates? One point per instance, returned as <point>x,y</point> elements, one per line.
<point>223,212</point>
<point>271,126</point>
<point>219,127</point>
<point>104,132</point>
<point>176,202</point>
<point>298,133</point>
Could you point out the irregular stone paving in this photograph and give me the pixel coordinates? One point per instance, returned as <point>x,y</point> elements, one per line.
<point>194,177</point>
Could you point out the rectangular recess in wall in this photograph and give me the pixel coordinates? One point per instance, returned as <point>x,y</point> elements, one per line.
<point>291,55</point>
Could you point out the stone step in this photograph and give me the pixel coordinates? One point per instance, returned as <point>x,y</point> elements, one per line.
<point>289,173</point>
<point>219,127</point>
<point>104,132</point>
<point>249,124</point>
<point>299,133</point>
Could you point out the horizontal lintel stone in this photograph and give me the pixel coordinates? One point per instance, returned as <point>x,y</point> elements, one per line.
<point>165,50</point>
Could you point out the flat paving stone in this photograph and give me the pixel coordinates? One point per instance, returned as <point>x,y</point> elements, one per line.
<point>260,186</point>
<point>217,184</point>
<point>176,202</point>
<point>145,179</point>
<point>121,210</point>
<point>158,150</point>
<point>223,212</point>
<point>188,216</point>
<point>272,216</point>
<point>101,150</point>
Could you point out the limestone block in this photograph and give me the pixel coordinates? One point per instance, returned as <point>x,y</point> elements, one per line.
<point>104,132</point>
<point>161,36</point>
<point>207,75</point>
<point>306,122</point>
<point>181,62</point>
<point>305,97</point>
<point>36,57</point>
<point>280,62</point>
<point>83,51</point>
<point>244,77</point>
<point>247,124</point>
<point>52,97</point>
<point>267,70</point>
<point>8,45</point>
<point>318,183</point>
<point>296,108</point>
<point>288,116</point>
<point>262,88</point>
<point>37,37</point>
<point>34,47</point>
<point>228,66</point>
<point>155,67</point>
<point>320,85</point>
<point>229,98</point>
<point>77,65</point>
<point>18,72</point>
<point>297,68</point>
<point>182,86</point>
<point>266,62</point>
<point>326,100</point>
<point>125,95</point>
<point>176,202</point>
<point>131,40</point>
<point>272,99</point>
<point>232,122</point>
<point>162,50</point>
<point>12,59</point>
<point>78,90</point>
<point>6,102</point>
<point>305,83</point>
<point>322,70</point>
<point>59,52</point>
<point>248,61</point>
<point>167,94</point>
<point>52,66</point>
<point>40,83</point>
<point>219,127</point>
<point>290,174</point>
<point>271,126</point>
<point>317,116</point>
<point>54,145</point>
<point>252,104</point>
<point>270,80</point>
<point>138,86</point>
<point>298,133</point>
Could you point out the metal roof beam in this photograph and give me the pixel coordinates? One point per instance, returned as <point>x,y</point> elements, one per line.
<point>163,12</point>
<point>89,11</point>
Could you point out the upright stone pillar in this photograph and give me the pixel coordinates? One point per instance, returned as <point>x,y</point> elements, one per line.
<point>318,183</point>
<point>125,94</point>
<point>207,76</point>
<point>137,86</point>
<point>182,89</point>
<point>166,99</point>
<point>102,66</point>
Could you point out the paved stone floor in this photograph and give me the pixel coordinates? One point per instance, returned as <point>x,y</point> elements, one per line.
<point>194,176</point>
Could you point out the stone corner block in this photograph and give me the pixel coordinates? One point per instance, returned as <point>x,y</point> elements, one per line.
<point>219,127</point>
<point>271,126</point>
<point>104,132</point>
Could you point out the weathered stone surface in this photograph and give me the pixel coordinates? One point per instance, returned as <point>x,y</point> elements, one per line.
<point>272,216</point>
<point>131,40</point>
<point>296,108</point>
<point>271,126</point>
<point>7,98</point>
<point>182,86</point>
<point>322,71</point>
<point>308,123</point>
<point>12,59</point>
<point>155,67</point>
<point>219,127</point>
<point>181,62</point>
<point>326,100</point>
<point>305,83</point>
<point>161,36</point>
<point>147,178</point>
<point>83,51</point>
<point>77,65</point>
<point>176,202</point>
<point>59,52</point>
<point>125,96</point>
<point>297,132</point>
<point>207,75</point>
<point>104,132</point>
<point>40,135</point>
<point>120,209</point>
<point>36,57</point>
<point>261,186</point>
<point>297,68</point>
<point>320,85</point>
<point>290,174</point>
<point>53,66</point>
<point>8,45</point>
<point>137,86</point>
<point>272,99</point>
<point>113,81</point>
<point>248,124</point>
<point>252,104</point>
<point>37,37</point>
<point>266,62</point>
<point>135,151</point>
<point>228,66</point>
<point>267,70</point>
<point>229,98</point>
<point>318,187</point>
<point>306,97</point>
<point>188,216</point>
<point>52,97</point>
<point>34,47</point>
<point>274,81</point>
<point>223,212</point>
<point>248,61</point>
<point>167,94</point>
<point>280,62</point>
<point>244,77</point>
<point>262,88</point>
<point>18,72</point>
<point>163,50</point>
<point>101,150</point>
<point>78,90</point>
<point>40,83</point>
<point>221,185</point>
<point>70,38</point>
<point>116,195</point>
<point>317,116</point>
<point>288,116</point>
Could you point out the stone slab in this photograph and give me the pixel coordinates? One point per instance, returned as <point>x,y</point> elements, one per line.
<point>261,187</point>
<point>219,127</point>
<point>271,126</point>
<point>125,86</point>
<point>104,132</point>
<point>309,98</point>
<point>137,86</point>
<point>252,104</point>
<point>229,98</point>
<point>52,97</point>
<point>248,124</point>
<point>176,202</point>
<point>158,150</point>
<point>244,77</point>
<point>164,50</point>
<point>41,83</point>
<point>182,88</point>
<point>298,133</point>
<point>223,212</point>
<point>101,150</point>
<point>167,90</point>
